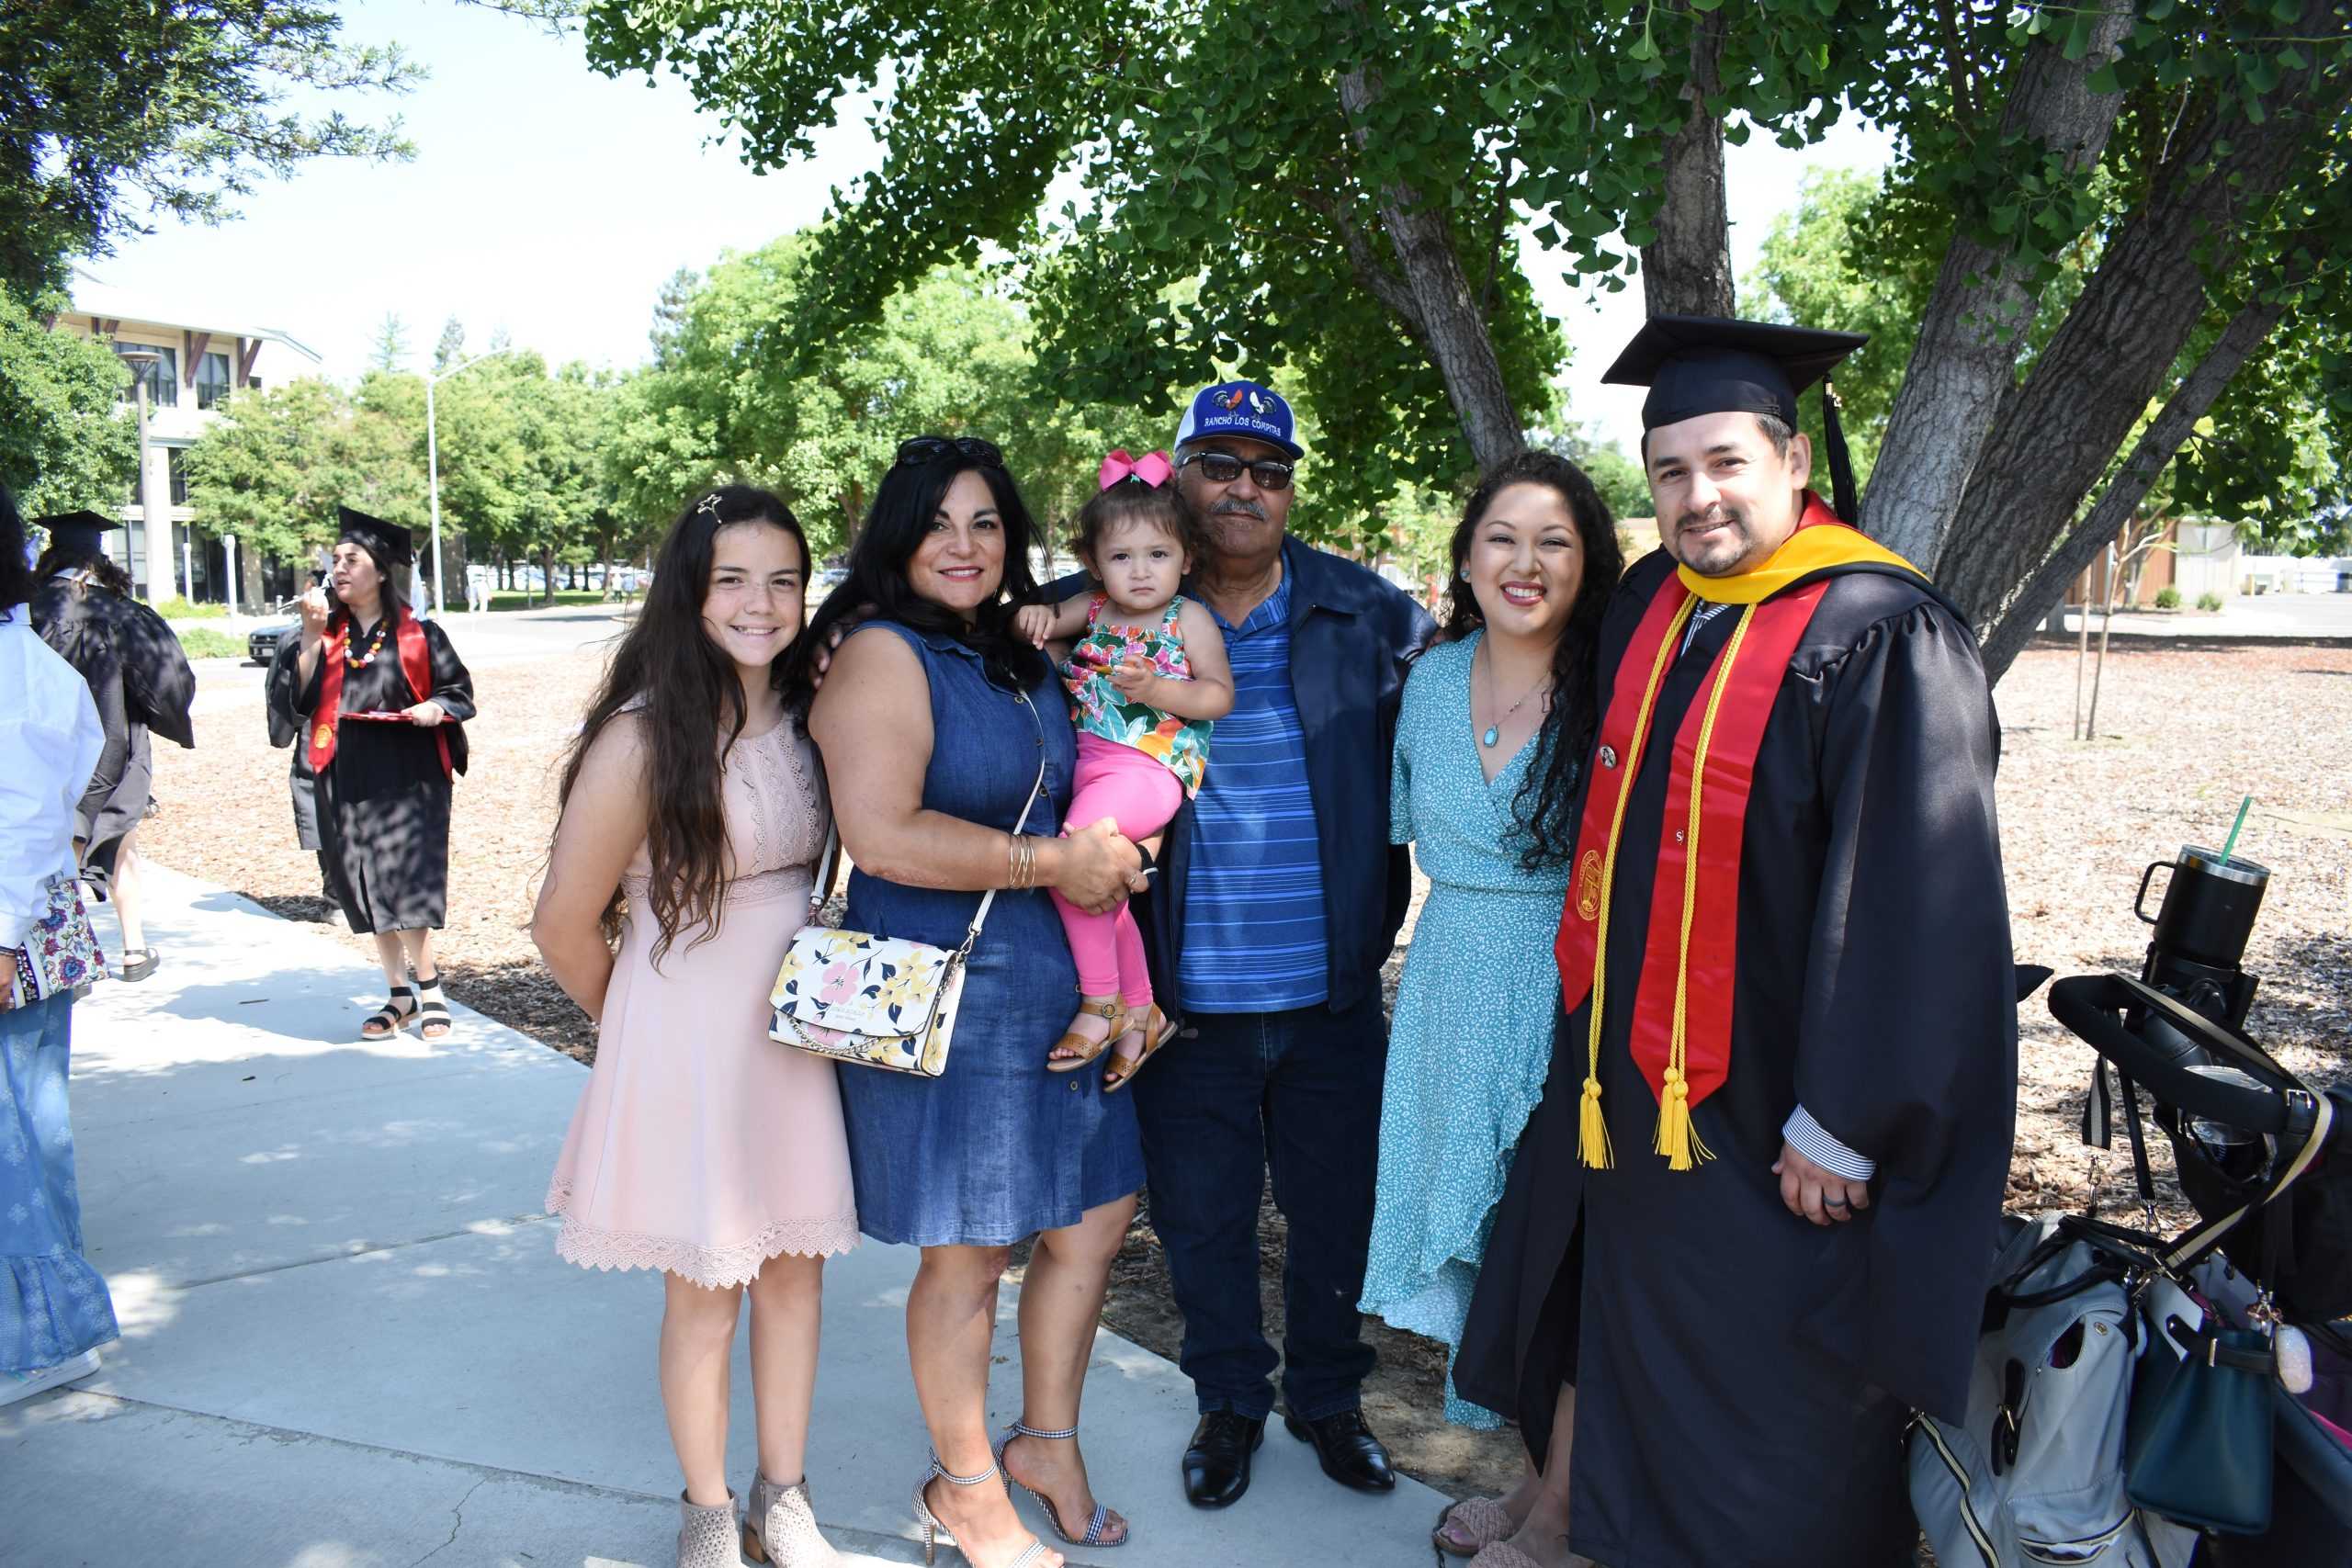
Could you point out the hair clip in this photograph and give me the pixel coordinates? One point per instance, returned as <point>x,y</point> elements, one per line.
<point>1152,469</point>
<point>708,503</point>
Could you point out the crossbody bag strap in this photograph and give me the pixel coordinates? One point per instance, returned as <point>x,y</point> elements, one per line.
<point>980,915</point>
<point>828,860</point>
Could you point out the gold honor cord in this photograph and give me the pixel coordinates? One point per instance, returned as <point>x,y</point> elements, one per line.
<point>1677,1140</point>
<point>1592,1129</point>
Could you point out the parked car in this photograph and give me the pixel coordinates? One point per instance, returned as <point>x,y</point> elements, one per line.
<point>261,643</point>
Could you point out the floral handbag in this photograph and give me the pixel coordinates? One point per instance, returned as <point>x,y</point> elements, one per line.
<point>60,952</point>
<point>869,1000</point>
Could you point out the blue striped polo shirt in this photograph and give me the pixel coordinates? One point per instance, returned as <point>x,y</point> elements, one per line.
<point>1254,934</point>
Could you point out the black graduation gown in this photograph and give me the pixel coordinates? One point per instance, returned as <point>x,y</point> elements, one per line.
<point>286,726</point>
<point>1743,1377</point>
<point>140,678</point>
<point>383,800</point>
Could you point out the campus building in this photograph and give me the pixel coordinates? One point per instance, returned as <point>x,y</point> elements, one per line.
<point>200,361</point>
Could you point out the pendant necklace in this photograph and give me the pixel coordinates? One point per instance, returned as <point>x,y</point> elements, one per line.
<point>1493,733</point>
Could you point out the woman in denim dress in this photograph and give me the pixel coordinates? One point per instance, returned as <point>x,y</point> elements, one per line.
<point>933,720</point>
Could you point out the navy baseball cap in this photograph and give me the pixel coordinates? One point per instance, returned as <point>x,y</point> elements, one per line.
<point>1241,408</point>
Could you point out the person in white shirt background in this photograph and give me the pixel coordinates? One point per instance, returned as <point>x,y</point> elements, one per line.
<point>54,1308</point>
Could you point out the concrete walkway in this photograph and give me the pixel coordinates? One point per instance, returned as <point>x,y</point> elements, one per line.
<point>348,1343</point>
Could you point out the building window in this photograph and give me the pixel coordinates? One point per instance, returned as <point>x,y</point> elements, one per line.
<point>176,458</point>
<point>162,380</point>
<point>213,384</point>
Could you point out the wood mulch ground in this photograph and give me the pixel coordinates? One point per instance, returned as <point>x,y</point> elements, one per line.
<point>2183,734</point>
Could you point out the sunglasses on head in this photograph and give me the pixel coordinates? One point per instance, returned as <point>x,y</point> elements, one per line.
<point>923,449</point>
<point>1224,467</point>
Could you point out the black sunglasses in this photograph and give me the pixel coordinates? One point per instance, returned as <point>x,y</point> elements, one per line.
<point>1224,467</point>
<point>922,449</point>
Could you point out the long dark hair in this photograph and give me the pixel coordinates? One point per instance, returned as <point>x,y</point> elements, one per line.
<point>684,690</point>
<point>877,588</point>
<point>394,601</point>
<point>1545,803</point>
<point>16,580</point>
<point>102,567</point>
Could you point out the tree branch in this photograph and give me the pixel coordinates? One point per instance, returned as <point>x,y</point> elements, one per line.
<point>1686,270</point>
<point>1363,259</point>
<point>2174,423</point>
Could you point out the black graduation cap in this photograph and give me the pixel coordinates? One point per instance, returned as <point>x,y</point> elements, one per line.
<point>388,540</point>
<point>1702,364</point>
<point>83,533</point>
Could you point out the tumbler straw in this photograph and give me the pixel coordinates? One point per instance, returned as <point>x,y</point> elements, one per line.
<point>2233,842</point>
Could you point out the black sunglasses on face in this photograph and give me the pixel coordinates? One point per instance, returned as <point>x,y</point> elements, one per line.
<point>1224,467</point>
<point>923,449</point>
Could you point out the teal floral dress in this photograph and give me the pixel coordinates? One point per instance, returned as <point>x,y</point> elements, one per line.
<point>1099,707</point>
<point>1471,1041</point>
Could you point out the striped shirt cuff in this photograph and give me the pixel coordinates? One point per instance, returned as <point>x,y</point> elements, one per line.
<point>1809,1138</point>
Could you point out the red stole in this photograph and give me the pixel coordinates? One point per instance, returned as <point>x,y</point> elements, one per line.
<point>1681,1019</point>
<point>416,666</point>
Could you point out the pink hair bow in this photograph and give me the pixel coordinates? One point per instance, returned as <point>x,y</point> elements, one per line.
<point>1152,469</point>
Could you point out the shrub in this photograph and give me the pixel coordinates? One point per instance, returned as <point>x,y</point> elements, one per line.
<point>211,642</point>
<point>2167,598</point>
<point>2209,600</point>
<point>179,609</point>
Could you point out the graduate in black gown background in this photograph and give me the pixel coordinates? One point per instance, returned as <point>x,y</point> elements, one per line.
<point>140,678</point>
<point>1753,1219</point>
<point>384,699</point>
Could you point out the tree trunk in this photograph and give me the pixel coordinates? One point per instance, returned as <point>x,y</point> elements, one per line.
<point>1965,364</point>
<point>1428,290</point>
<point>546,574</point>
<point>249,577</point>
<point>1685,271</point>
<point>2248,331</point>
<point>2058,433</point>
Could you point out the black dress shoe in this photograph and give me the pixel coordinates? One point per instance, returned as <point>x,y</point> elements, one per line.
<point>1216,1466</point>
<point>1351,1454</point>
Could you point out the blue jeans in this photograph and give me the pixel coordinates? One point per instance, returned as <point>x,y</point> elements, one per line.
<point>1235,1095</point>
<point>54,1305</point>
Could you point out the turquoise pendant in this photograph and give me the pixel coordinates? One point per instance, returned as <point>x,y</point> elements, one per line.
<point>1493,736</point>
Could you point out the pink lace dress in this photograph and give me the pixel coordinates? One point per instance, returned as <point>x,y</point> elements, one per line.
<point>701,1147</point>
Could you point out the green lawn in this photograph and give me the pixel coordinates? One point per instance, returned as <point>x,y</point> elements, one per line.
<point>211,642</point>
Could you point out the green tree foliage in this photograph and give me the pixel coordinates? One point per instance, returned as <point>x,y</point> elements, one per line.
<point>272,470</point>
<point>739,392</point>
<point>64,442</point>
<point>118,112</point>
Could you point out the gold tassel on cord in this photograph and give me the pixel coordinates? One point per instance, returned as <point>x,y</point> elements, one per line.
<point>1677,1140</point>
<point>1592,1128</point>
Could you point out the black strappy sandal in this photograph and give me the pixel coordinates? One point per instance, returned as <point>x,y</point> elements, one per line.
<point>137,963</point>
<point>433,1020</point>
<point>391,1018</point>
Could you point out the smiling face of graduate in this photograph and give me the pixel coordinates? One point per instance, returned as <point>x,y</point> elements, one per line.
<point>1726,497</point>
<point>752,605</point>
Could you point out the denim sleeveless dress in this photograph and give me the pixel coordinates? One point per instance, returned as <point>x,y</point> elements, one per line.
<point>998,1148</point>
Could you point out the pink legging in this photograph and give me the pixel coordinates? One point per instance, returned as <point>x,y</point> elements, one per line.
<point>1141,794</point>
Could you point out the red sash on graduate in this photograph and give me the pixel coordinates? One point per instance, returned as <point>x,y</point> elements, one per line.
<point>416,664</point>
<point>1682,1021</point>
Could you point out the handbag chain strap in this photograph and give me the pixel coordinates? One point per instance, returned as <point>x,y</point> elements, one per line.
<point>822,882</point>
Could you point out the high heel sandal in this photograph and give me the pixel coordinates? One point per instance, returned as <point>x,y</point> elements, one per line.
<point>1112,1011</point>
<point>387,1021</point>
<point>1094,1525</point>
<point>936,1534</point>
<point>780,1527</point>
<point>1154,1030</point>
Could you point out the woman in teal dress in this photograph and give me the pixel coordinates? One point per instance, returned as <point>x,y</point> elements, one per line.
<point>1498,717</point>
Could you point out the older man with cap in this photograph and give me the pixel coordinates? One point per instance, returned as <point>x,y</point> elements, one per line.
<point>1278,901</point>
<point>1753,1219</point>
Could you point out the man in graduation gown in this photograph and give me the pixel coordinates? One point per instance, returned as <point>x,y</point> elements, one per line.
<point>140,678</point>
<point>1753,1221</point>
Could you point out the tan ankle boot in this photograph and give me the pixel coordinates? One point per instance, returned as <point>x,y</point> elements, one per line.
<point>780,1527</point>
<point>707,1536</point>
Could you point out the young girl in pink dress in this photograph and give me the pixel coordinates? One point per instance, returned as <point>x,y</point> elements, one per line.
<point>693,810</point>
<point>1146,677</point>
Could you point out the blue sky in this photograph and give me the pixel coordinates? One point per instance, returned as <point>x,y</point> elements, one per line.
<point>552,202</point>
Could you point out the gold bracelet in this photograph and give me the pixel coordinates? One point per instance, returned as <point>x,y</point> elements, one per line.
<point>1025,877</point>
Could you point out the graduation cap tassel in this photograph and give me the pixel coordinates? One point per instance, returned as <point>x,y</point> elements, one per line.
<point>1841,466</point>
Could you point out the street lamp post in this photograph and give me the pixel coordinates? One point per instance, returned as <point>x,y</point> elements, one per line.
<point>143,362</point>
<point>432,463</point>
